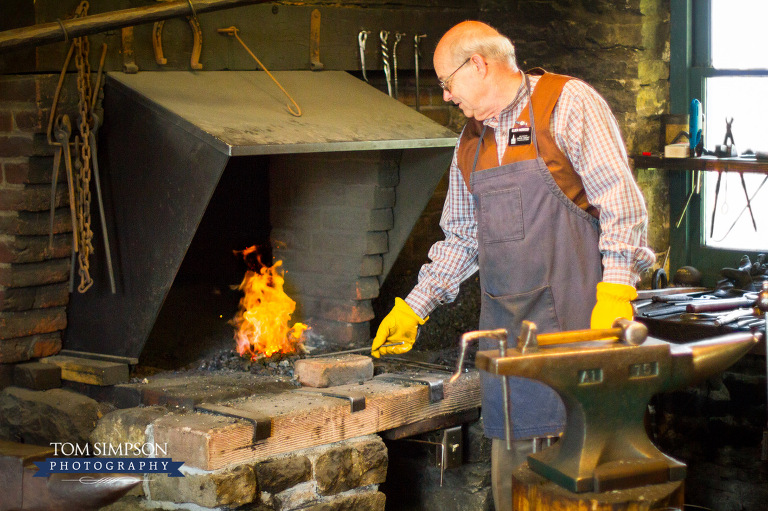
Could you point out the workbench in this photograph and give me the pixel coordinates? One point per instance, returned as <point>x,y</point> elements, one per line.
<point>707,163</point>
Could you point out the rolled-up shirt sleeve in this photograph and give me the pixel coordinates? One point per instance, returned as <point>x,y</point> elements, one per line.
<point>453,259</point>
<point>587,132</point>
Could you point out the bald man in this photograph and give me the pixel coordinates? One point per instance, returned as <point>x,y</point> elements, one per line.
<point>542,201</point>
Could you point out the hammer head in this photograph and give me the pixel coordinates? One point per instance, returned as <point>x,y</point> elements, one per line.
<point>632,332</point>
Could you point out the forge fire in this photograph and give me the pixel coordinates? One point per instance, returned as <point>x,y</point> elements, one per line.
<point>262,320</point>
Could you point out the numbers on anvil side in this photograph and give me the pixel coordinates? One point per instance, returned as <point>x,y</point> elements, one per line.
<point>636,371</point>
<point>590,376</point>
<point>643,370</point>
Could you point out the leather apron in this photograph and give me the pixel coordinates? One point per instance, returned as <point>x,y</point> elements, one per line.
<point>539,260</point>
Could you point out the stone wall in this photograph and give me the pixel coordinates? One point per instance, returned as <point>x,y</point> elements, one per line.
<point>34,269</point>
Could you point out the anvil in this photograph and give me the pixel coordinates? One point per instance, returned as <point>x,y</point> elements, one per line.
<point>606,387</point>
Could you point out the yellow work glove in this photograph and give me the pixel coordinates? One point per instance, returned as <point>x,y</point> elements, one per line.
<point>400,325</point>
<point>612,302</point>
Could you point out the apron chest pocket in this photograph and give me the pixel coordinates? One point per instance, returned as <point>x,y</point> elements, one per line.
<point>502,215</point>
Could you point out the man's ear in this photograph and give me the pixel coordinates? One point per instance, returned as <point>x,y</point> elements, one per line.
<point>480,65</point>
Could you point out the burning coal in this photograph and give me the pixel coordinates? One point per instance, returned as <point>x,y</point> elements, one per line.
<point>261,323</point>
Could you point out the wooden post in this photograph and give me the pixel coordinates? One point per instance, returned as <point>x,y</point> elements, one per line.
<point>69,29</point>
<point>532,492</point>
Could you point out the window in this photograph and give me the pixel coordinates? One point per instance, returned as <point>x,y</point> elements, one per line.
<point>719,56</point>
<point>737,34</point>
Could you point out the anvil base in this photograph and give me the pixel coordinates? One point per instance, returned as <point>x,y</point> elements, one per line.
<point>612,475</point>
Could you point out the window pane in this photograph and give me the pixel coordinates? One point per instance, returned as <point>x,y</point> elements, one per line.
<point>738,34</point>
<point>733,222</point>
<point>740,98</point>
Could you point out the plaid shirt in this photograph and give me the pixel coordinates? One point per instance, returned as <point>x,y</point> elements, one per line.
<point>587,132</point>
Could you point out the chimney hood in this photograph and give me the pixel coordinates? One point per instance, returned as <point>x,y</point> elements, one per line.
<point>165,142</point>
<point>244,113</point>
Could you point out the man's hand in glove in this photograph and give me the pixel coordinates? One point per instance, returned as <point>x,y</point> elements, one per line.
<point>612,302</point>
<point>400,325</point>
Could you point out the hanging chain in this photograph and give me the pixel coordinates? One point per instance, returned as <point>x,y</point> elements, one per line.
<point>83,185</point>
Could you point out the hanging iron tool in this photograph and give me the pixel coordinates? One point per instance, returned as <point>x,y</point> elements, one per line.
<point>232,32</point>
<point>97,114</point>
<point>749,204</point>
<point>416,56</point>
<point>314,42</point>
<point>83,162</point>
<point>383,36</point>
<point>398,37</point>
<point>714,207</point>
<point>695,189</point>
<point>362,37</point>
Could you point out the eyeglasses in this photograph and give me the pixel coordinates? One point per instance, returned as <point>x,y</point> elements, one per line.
<point>445,84</point>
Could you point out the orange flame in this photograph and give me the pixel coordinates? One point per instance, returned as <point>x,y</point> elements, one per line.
<point>261,322</point>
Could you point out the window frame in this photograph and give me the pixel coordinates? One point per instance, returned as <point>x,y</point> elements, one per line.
<point>690,66</point>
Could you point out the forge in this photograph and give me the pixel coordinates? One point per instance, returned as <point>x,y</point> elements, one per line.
<point>336,192</point>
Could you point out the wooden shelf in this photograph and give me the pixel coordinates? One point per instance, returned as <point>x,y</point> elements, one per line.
<point>702,163</point>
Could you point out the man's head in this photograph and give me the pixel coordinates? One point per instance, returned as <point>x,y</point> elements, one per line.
<point>477,69</point>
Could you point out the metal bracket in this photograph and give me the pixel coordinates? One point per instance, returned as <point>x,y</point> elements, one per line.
<point>356,399</point>
<point>450,448</point>
<point>435,383</point>
<point>262,425</point>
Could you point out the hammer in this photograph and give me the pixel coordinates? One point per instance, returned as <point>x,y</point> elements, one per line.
<point>624,330</point>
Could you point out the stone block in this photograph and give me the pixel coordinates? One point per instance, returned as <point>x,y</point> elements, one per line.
<point>35,274</point>
<point>34,297</point>
<point>228,488</point>
<point>31,197</point>
<point>331,371</point>
<point>127,426</point>
<point>339,286</point>
<point>21,349</point>
<point>366,501</point>
<point>33,170</point>
<point>37,376</point>
<point>86,370</point>
<point>123,395</point>
<point>279,474</point>
<point>353,311</point>
<point>35,222</point>
<point>341,334</point>
<point>31,322</point>
<point>6,375</point>
<point>32,249</point>
<point>15,145</point>
<point>373,460</point>
<point>337,470</point>
<point>43,417</point>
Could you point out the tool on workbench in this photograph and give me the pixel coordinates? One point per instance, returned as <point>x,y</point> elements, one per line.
<point>695,124</point>
<point>353,350</point>
<point>606,388</point>
<point>416,57</point>
<point>362,37</point>
<point>726,150</point>
<point>383,36</point>
<point>717,319</point>
<point>762,304</point>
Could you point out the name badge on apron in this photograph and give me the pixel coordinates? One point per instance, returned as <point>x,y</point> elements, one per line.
<point>520,136</point>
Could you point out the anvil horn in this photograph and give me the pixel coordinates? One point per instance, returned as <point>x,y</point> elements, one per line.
<point>699,360</point>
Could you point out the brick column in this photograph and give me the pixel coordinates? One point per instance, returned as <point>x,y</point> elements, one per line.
<point>33,275</point>
<point>330,213</point>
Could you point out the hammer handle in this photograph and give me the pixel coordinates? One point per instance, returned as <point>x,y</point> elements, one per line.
<point>579,336</point>
<point>719,305</point>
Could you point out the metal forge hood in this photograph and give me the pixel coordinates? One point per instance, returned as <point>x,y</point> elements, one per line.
<point>165,142</point>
